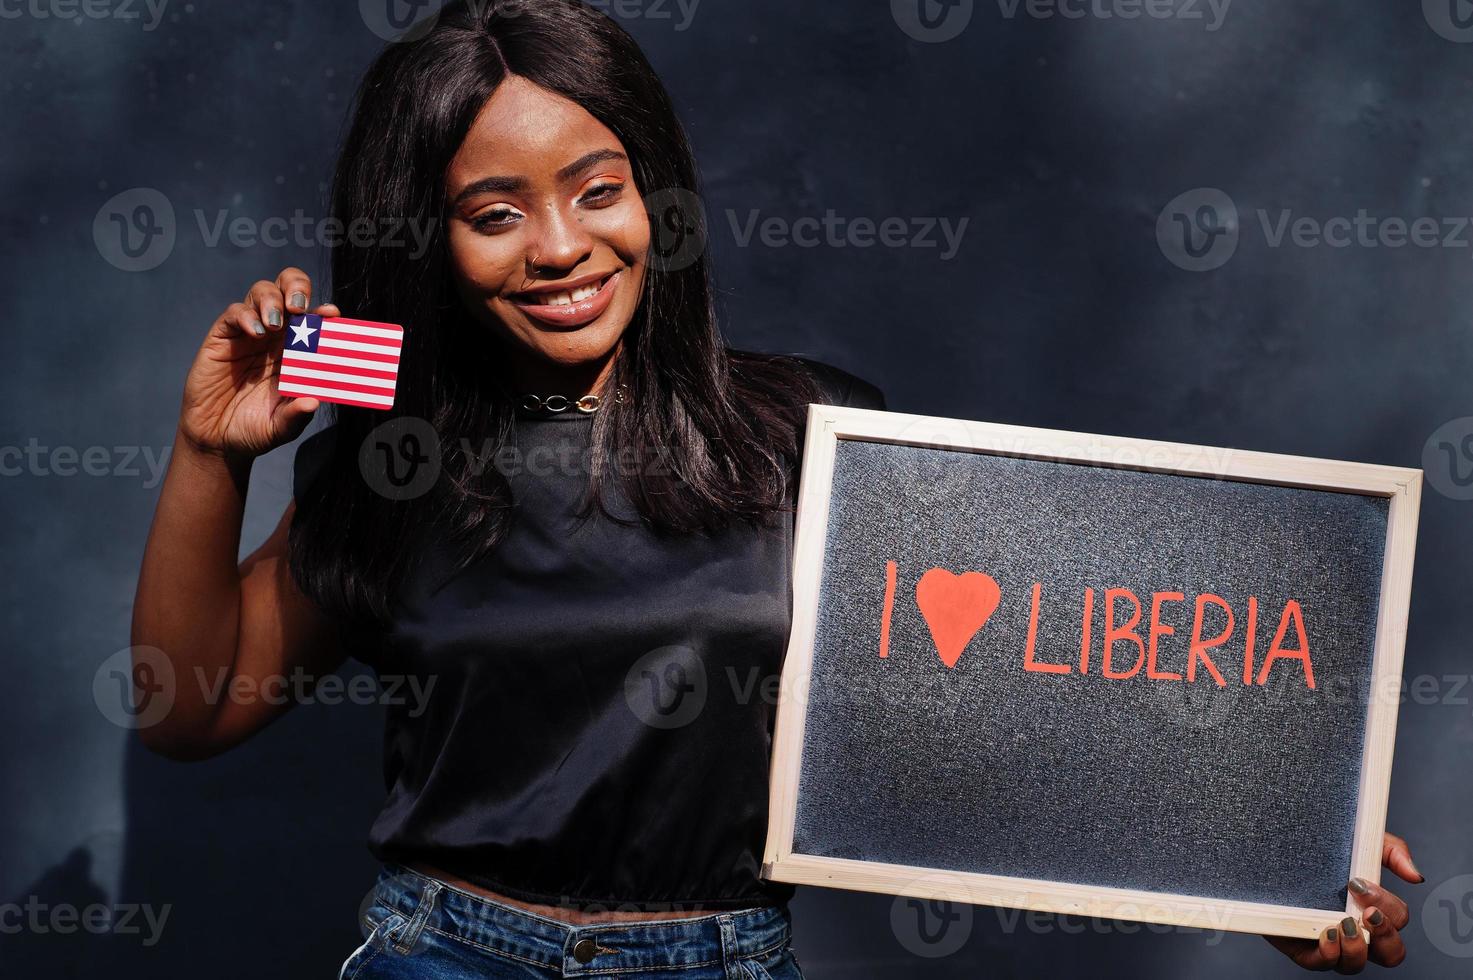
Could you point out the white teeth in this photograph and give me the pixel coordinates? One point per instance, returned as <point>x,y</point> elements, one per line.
<point>567,297</point>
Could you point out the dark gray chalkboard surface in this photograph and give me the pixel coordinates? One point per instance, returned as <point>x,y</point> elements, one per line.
<point>959,713</point>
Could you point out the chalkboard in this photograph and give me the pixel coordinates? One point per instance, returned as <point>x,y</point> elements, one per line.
<point>1086,674</point>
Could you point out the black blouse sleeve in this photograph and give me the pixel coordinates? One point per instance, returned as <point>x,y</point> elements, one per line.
<point>843,388</point>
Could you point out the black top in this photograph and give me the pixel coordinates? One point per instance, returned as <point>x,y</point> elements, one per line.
<point>600,725</point>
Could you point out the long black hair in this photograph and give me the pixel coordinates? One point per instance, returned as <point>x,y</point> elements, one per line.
<point>711,430</point>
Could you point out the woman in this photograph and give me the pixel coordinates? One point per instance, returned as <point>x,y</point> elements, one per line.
<point>560,569</point>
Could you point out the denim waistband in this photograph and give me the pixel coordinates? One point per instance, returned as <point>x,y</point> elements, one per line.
<point>592,949</point>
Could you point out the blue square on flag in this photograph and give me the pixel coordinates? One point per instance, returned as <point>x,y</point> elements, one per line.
<point>306,329</point>
<point>334,359</point>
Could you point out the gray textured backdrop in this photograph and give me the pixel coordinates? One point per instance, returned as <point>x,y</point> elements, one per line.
<point>1065,144</point>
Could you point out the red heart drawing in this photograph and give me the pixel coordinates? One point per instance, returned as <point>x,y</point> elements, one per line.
<point>955,607</point>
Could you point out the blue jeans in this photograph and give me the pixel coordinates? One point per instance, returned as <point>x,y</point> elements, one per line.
<point>419,927</point>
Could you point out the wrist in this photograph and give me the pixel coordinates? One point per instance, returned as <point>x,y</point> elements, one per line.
<point>212,459</point>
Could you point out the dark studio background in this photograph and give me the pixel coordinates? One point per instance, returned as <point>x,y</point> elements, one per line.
<point>1060,141</point>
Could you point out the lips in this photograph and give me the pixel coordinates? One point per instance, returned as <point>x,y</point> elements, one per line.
<point>553,307</point>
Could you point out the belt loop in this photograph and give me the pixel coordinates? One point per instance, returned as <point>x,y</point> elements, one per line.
<point>729,951</point>
<point>422,909</point>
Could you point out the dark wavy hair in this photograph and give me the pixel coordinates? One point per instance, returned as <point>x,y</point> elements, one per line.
<point>711,430</point>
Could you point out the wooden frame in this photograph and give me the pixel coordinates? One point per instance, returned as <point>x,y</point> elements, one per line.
<point>827,424</point>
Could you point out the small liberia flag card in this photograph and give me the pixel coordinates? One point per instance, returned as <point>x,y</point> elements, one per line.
<point>351,362</point>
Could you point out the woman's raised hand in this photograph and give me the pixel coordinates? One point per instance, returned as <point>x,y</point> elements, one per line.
<point>231,404</point>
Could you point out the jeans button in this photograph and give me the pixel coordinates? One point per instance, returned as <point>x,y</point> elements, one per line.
<point>584,950</point>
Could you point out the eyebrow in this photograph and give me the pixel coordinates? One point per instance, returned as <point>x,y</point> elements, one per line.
<point>511,185</point>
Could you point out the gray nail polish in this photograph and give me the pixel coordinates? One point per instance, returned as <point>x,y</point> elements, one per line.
<point>257,329</point>
<point>1359,886</point>
<point>1347,925</point>
<point>1332,934</point>
<point>1375,918</point>
<point>273,317</point>
<point>299,299</point>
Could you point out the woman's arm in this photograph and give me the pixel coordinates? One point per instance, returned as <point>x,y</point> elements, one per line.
<point>237,636</point>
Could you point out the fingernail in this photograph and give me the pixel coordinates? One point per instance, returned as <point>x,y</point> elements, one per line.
<point>1347,924</point>
<point>273,317</point>
<point>299,299</point>
<point>257,329</point>
<point>1359,886</point>
<point>1332,934</point>
<point>1375,917</point>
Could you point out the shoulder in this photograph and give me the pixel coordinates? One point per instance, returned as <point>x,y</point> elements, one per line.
<point>842,387</point>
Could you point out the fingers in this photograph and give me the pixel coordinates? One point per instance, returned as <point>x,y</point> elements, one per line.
<point>269,304</point>
<point>296,286</point>
<point>1353,947</point>
<point>1311,954</point>
<point>1386,947</point>
<point>293,414</point>
<point>240,319</point>
<point>1369,896</point>
<point>328,309</point>
<point>1396,855</point>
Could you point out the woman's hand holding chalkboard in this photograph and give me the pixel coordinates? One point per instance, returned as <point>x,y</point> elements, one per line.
<point>1376,936</point>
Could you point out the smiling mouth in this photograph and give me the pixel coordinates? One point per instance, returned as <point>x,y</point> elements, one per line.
<point>566,297</point>
<point>569,308</point>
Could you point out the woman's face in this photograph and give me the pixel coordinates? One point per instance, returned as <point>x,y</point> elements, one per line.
<point>548,234</point>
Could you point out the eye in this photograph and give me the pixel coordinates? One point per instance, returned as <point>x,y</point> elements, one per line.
<point>602,194</point>
<point>494,218</point>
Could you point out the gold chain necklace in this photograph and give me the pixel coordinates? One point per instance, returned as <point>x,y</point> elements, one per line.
<point>587,404</point>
